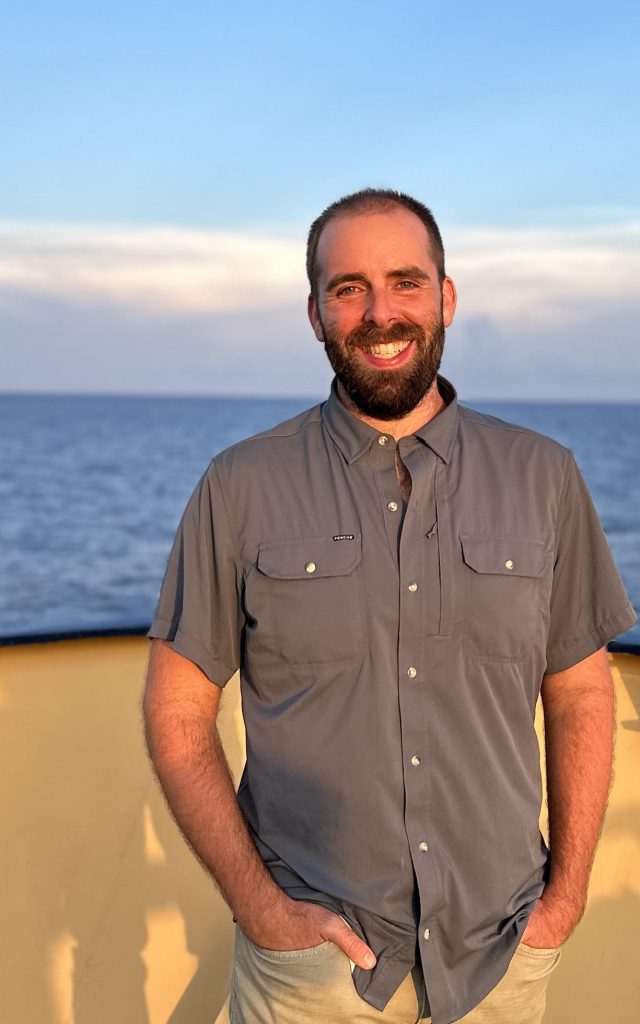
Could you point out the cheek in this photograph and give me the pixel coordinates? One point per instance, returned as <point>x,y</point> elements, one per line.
<point>346,312</point>
<point>339,325</point>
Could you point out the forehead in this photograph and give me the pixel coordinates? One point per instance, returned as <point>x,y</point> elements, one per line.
<point>375,241</point>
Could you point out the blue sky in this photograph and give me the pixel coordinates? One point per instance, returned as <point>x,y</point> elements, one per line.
<point>244,121</point>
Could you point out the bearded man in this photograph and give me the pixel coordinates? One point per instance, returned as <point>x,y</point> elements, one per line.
<point>397,577</point>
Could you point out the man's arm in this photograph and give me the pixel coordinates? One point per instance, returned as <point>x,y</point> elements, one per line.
<point>579,716</point>
<point>180,712</point>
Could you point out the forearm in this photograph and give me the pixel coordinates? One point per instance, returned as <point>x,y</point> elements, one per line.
<point>579,729</point>
<point>190,764</point>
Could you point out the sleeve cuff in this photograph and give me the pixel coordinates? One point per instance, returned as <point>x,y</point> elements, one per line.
<point>578,648</point>
<point>188,647</point>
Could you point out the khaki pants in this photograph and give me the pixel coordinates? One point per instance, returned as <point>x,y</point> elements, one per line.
<point>274,987</point>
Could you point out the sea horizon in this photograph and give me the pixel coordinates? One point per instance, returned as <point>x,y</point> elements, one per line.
<point>295,396</point>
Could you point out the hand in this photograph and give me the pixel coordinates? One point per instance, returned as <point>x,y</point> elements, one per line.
<point>296,924</point>
<point>550,923</point>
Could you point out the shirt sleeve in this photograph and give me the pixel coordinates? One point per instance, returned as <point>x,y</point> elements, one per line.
<point>589,605</point>
<point>200,607</point>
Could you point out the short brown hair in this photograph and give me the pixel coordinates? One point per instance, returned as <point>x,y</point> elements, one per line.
<point>369,200</point>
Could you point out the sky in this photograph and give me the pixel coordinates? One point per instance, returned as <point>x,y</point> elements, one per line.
<point>161,164</point>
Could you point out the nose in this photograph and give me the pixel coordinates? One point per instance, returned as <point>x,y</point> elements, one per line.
<point>380,309</point>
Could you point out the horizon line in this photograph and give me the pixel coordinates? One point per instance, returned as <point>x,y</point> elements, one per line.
<point>301,396</point>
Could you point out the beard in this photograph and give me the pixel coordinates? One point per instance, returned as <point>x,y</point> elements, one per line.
<point>379,393</point>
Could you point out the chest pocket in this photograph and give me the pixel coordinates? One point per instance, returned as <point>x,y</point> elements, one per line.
<point>503,587</point>
<point>304,600</point>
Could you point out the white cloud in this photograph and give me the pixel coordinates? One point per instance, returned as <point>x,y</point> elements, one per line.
<point>158,269</point>
<point>162,309</point>
<point>543,275</point>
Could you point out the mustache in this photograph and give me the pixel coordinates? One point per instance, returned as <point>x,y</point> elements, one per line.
<point>365,335</point>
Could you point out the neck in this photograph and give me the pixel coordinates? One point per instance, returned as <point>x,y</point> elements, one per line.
<point>427,408</point>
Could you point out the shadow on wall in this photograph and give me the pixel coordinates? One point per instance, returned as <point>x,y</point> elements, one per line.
<point>108,916</point>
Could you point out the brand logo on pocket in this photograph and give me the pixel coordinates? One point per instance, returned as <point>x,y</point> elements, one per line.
<point>345,536</point>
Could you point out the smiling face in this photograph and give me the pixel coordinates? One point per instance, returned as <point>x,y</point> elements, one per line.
<point>380,309</point>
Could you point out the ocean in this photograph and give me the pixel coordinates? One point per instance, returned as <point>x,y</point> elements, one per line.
<point>92,489</point>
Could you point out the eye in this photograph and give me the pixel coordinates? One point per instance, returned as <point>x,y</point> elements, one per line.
<point>346,291</point>
<point>407,285</point>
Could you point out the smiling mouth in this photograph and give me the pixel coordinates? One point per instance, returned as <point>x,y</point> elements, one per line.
<point>388,350</point>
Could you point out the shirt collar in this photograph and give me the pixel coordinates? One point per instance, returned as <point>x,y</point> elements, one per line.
<point>353,437</point>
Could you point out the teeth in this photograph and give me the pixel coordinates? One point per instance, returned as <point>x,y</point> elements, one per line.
<point>387,351</point>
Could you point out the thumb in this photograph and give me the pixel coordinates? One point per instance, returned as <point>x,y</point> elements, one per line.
<point>346,939</point>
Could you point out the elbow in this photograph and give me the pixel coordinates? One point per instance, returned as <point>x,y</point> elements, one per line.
<point>153,698</point>
<point>150,727</point>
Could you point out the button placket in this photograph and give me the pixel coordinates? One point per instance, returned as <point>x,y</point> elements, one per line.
<point>419,617</point>
<point>389,492</point>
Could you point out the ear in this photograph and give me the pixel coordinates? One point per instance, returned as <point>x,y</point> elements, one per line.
<point>312,313</point>
<point>449,301</point>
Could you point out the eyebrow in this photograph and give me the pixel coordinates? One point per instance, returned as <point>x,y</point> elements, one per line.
<point>399,274</point>
<point>339,279</point>
<point>410,271</point>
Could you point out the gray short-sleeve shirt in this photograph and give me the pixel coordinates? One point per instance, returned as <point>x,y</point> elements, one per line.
<point>391,655</point>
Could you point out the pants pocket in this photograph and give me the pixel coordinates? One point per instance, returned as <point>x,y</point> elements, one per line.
<point>548,954</point>
<point>291,955</point>
<point>521,995</point>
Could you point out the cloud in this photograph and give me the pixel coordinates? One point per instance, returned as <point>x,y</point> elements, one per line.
<point>160,270</point>
<point>541,312</point>
<point>543,276</point>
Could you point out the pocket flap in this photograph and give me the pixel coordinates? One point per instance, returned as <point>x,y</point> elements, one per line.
<point>505,556</point>
<point>310,559</point>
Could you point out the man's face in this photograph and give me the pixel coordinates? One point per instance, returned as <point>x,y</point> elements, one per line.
<point>381,311</point>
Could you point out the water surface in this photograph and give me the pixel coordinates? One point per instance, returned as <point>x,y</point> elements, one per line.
<point>92,488</point>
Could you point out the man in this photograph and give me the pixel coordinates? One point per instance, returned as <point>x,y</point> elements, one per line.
<point>396,577</point>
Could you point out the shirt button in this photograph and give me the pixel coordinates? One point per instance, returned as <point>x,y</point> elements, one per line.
<point>508,564</point>
<point>392,506</point>
<point>413,587</point>
<point>310,567</point>
<point>383,439</point>
<point>423,847</point>
<point>415,760</point>
<point>412,672</point>
<point>426,934</point>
